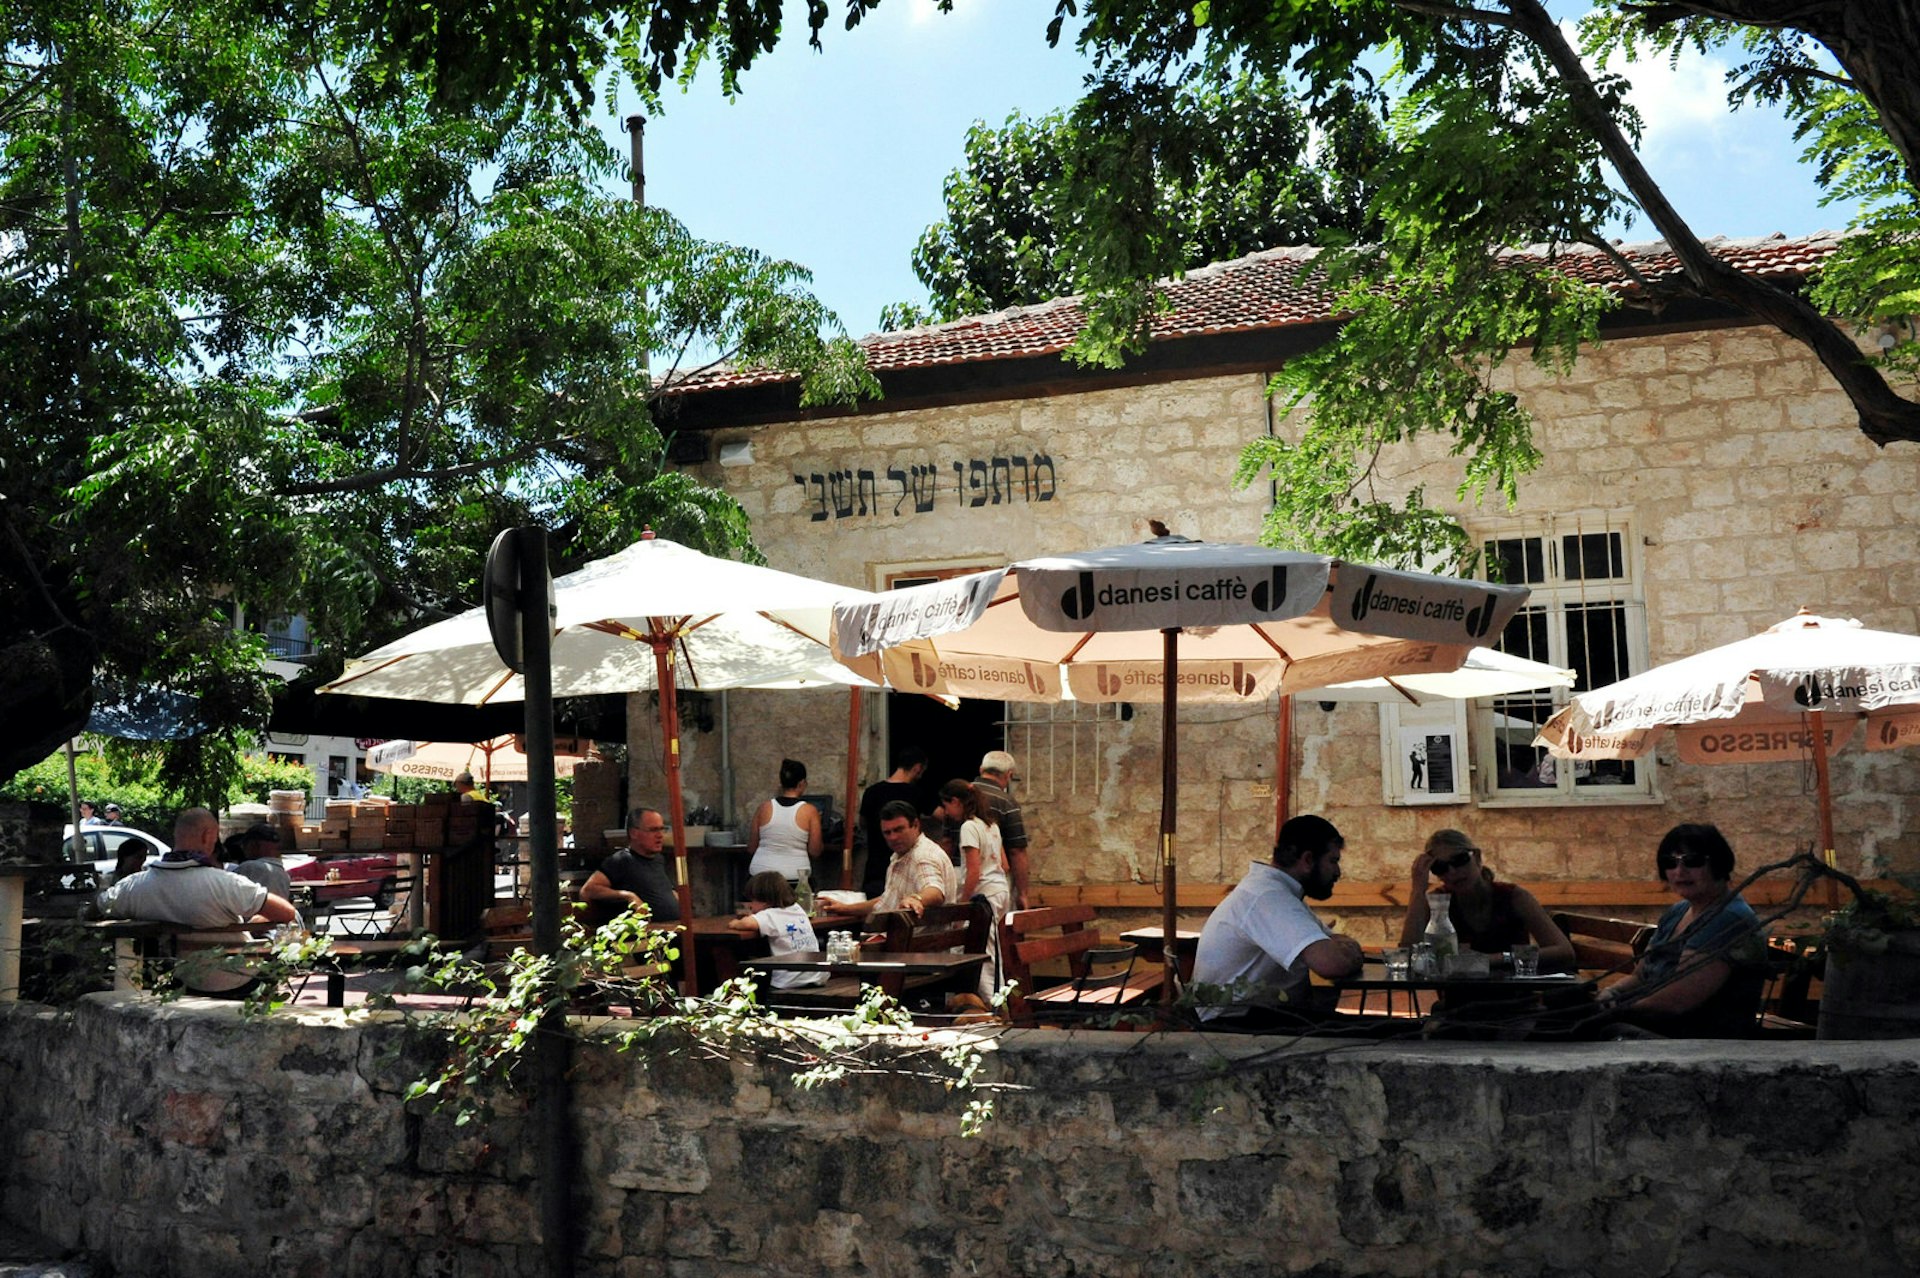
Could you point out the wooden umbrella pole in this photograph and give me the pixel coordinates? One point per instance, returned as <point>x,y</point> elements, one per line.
<point>1823,789</point>
<point>853,783</point>
<point>670,730</point>
<point>1282,765</point>
<point>1169,804</point>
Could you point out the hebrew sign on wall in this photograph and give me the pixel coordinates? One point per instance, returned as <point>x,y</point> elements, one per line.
<point>916,489</point>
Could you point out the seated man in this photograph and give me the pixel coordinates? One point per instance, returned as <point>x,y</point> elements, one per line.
<point>920,873</point>
<point>634,875</point>
<point>1262,942</point>
<point>256,854</point>
<point>188,887</point>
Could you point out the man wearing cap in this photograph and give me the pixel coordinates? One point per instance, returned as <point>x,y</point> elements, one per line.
<point>113,815</point>
<point>995,784</point>
<point>256,854</point>
<point>463,786</point>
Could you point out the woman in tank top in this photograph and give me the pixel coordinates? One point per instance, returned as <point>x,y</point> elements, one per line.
<point>785,836</point>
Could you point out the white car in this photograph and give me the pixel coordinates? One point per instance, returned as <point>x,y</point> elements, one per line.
<point>104,844</point>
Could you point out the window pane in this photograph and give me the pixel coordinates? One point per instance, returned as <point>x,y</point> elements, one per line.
<point>1593,557</point>
<point>1520,765</point>
<point>1597,644</point>
<point>1526,635</point>
<point>1518,561</point>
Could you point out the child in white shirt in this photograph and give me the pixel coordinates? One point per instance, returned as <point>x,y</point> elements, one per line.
<point>772,913</point>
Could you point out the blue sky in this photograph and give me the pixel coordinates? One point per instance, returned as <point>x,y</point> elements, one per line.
<point>835,159</point>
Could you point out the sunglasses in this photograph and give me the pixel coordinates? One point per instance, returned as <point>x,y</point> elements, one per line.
<point>1438,866</point>
<point>1692,860</point>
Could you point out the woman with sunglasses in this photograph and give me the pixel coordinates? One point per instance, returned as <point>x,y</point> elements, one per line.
<point>1491,917</point>
<point>1699,977</point>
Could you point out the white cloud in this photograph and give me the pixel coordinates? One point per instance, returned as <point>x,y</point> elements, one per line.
<point>1682,105</point>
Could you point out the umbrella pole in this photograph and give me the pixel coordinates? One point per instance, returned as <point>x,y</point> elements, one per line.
<point>853,784</point>
<point>1823,789</point>
<point>1282,766</point>
<point>670,730</point>
<point>1169,804</point>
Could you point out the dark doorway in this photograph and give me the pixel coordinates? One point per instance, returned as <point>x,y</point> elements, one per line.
<point>953,739</point>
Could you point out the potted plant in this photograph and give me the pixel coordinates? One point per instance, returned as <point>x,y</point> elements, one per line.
<point>1872,983</point>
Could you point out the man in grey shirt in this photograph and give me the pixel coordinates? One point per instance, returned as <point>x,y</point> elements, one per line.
<point>188,887</point>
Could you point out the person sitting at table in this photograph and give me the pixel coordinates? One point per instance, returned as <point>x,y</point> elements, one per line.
<point>634,875</point>
<point>1702,974</point>
<point>1262,945</point>
<point>1490,917</point>
<point>771,913</point>
<point>189,888</point>
<point>785,834</point>
<point>256,856</point>
<point>918,876</point>
<point>983,860</point>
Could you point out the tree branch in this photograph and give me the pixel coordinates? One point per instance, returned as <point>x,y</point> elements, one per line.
<point>1884,415</point>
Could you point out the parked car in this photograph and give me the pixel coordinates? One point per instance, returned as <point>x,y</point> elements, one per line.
<point>103,844</point>
<point>369,874</point>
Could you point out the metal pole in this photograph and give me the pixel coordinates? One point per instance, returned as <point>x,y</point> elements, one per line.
<point>853,784</point>
<point>553,1044</point>
<point>1169,803</point>
<point>637,133</point>
<point>1283,766</point>
<point>1823,786</point>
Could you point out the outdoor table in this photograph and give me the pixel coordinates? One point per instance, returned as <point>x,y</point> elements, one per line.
<point>1152,943</point>
<point>894,971</point>
<point>1496,989</point>
<point>718,951</point>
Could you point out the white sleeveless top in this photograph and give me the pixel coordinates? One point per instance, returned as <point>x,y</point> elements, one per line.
<point>783,844</point>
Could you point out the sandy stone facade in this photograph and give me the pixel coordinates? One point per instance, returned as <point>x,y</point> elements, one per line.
<point>1725,456</point>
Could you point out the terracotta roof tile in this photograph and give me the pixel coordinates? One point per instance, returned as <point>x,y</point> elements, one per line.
<point>1262,291</point>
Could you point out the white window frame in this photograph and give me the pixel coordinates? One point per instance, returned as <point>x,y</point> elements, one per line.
<point>1554,595</point>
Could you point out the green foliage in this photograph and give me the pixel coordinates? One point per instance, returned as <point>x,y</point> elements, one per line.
<point>312,315</point>
<point>1204,171</point>
<point>1499,140</point>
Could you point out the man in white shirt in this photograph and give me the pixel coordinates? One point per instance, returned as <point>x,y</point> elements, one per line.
<point>188,887</point>
<point>1262,944</point>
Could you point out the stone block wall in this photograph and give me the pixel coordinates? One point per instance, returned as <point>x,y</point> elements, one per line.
<point>1735,461</point>
<point>182,1140</point>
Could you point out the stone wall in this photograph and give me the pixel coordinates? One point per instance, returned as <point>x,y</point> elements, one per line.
<point>1737,464</point>
<point>182,1140</point>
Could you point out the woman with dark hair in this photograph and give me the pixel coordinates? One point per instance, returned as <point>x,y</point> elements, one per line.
<point>785,836</point>
<point>1700,976</point>
<point>983,861</point>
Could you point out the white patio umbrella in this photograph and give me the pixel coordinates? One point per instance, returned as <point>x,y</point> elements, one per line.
<point>502,758</point>
<point>1763,699</point>
<point>651,617</point>
<point>1234,623</point>
<point>1487,672</point>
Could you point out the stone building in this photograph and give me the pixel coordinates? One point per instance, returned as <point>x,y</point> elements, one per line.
<point>1704,478</point>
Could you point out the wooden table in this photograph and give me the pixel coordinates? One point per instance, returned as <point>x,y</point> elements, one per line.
<point>1494,991</point>
<point>1152,942</point>
<point>895,972</point>
<point>718,952</point>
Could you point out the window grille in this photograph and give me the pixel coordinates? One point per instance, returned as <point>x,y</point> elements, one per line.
<point>1587,613</point>
<point>1058,745</point>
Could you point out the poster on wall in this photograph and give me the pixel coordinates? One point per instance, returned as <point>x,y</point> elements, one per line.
<point>1424,757</point>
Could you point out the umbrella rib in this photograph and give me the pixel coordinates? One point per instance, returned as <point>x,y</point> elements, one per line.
<point>487,698</point>
<point>1278,648</point>
<point>375,670</point>
<point>1395,685</point>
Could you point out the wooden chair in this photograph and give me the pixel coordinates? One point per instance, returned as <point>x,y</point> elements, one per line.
<point>1030,937</point>
<point>508,927</point>
<point>941,927</point>
<point>1602,945</point>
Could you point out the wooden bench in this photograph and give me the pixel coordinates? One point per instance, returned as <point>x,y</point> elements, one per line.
<point>1031,937</point>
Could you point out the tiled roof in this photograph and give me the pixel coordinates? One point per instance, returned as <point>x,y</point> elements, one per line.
<point>1264,291</point>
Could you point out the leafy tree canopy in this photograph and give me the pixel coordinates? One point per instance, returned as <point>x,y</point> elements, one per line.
<point>295,327</point>
<point>1501,137</point>
<point>1205,172</point>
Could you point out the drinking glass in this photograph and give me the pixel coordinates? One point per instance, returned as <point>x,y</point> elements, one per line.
<point>1526,960</point>
<point>1397,961</point>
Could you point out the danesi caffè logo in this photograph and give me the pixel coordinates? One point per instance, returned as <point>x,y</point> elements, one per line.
<point>1080,600</point>
<point>1374,598</point>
